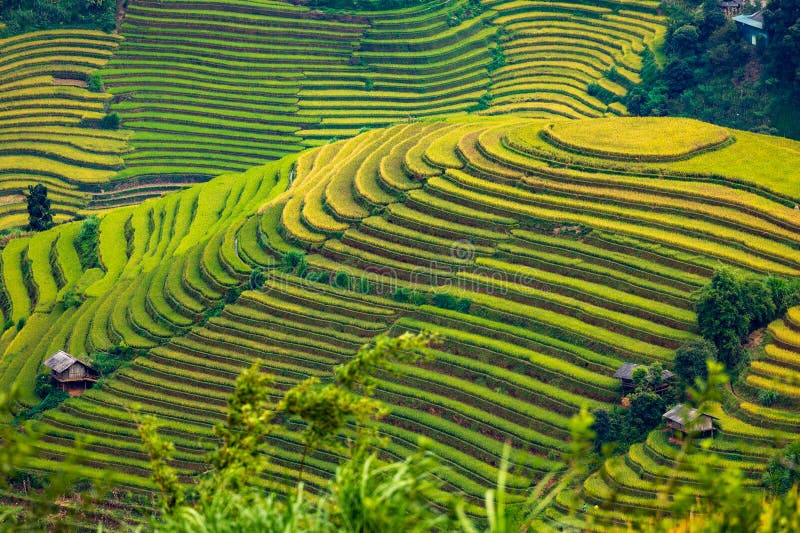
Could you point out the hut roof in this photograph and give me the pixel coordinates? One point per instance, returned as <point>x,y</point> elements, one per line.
<point>756,20</point>
<point>626,372</point>
<point>61,360</point>
<point>685,417</point>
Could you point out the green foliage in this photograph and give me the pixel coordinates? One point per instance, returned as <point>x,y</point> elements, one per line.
<point>72,299</point>
<point>248,422</point>
<point>294,262</point>
<point>110,121</point>
<point>21,322</point>
<point>365,5</point>
<point>723,316</point>
<point>108,362</point>
<point>327,408</point>
<point>95,83</point>
<point>40,214</point>
<point>53,399</point>
<point>160,452</point>
<point>364,286</point>
<point>782,24</point>
<point>624,426</point>
<point>341,280</point>
<point>86,243</point>
<point>484,102</point>
<point>257,277</point>
<point>44,385</point>
<point>783,471</point>
<point>29,15</point>
<point>711,73</point>
<point>768,398</point>
<point>690,360</point>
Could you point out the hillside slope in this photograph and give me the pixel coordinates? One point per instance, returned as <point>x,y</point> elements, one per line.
<point>213,87</point>
<point>565,253</point>
<point>49,121</point>
<point>206,87</point>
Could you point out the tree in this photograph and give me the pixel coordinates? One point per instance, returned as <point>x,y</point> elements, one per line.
<point>782,24</point>
<point>646,410</point>
<point>40,215</point>
<point>783,470</point>
<point>722,316</point>
<point>326,409</point>
<point>690,360</point>
<point>110,121</point>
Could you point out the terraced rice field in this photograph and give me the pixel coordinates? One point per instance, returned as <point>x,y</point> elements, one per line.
<point>48,121</point>
<point>751,433</point>
<point>214,87</point>
<point>569,269</point>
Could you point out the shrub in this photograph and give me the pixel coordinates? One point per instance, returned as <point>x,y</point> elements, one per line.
<point>768,398</point>
<point>448,301</point>
<point>95,83</point>
<point>86,243</point>
<point>341,280</point>
<point>257,277</point>
<point>364,286</point>
<point>232,294</point>
<point>21,323</point>
<point>72,299</point>
<point>782,472</point>
<point>418,298</point>
<point>8,324</point>
<point>294,261</point>
<point>111,360</point>
<point>43,386</point>
<point>401,294</point>
<point>110,121</point>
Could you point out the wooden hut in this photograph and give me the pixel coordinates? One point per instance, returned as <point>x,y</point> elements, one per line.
<point>70,374</point>
<point>625,375</point>
<point>684,420</point>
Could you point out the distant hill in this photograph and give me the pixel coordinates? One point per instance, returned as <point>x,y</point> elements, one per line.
<point>205,88</point>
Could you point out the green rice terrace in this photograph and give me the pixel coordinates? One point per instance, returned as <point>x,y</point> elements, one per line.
<point>544,253</point>
<point>204,88</point>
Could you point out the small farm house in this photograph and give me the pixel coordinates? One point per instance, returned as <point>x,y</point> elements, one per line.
<point>684,420</point>
<point>625,375</point>
<point>752,27</point>
<point>70,374</point>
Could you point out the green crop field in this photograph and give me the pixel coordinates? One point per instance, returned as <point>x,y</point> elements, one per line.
<point>569,270</point>
<point>464,167</point>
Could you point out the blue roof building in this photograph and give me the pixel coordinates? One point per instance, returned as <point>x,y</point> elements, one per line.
<point>752,27</point>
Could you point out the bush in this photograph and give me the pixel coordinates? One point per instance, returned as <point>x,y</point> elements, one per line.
<point>294,261</point>
<point>8,324</point>
<point>111,360</point>
<point>110,121</point>
<point>768,398</point>
<point>448,301</point>
<point>21,323</point>
<point>418,298</point>
<point>341,280</point>
<point>44,385</point>
<point>72,299</point>
<point>257,277</point>
<point>782,472</point>
<point>401,294</point>
<point>95,83</point>
<point>364,286</point>
<point>23,16</point>
<point>86,243</point>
